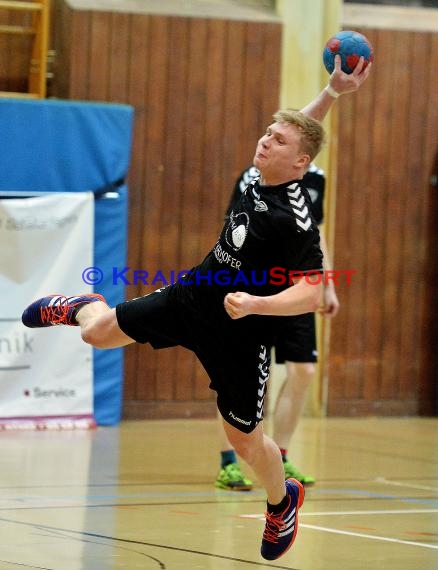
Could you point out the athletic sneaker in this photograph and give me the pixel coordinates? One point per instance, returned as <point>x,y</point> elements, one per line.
<point>56,310</point>
<point>231,478</point>
<point>281,529</point>
<point>290,471</point>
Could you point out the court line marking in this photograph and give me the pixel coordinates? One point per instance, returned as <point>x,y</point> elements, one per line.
<point>432,502</point>
<point>360,534</point>
<point>15,504</point>
<point>87,535</point>
<point>408,485</point>
<point>62,534</point>
<point>346,513</point>
<point>26,565</point>
<point>370,536</point>
<point>379,512</point>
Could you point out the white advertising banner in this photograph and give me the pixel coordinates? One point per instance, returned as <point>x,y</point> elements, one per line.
<point>46,375</point>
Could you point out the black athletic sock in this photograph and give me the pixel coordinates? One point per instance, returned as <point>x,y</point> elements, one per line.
<point>276,509</point>
<point>76,310</point>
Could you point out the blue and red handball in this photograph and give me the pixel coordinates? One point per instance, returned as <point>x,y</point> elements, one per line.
<point>350,46</point>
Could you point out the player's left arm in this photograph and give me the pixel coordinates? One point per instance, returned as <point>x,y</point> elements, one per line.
<point>330,301</point>
<point>340,83</point>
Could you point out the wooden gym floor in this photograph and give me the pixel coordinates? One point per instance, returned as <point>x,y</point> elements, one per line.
<point>141,495</point>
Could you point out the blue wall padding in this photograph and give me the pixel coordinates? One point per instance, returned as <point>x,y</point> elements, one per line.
<point>69,146</point>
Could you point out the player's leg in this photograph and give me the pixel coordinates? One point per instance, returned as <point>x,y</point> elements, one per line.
<point>291,400</point>
<point>296,348</point>
<point>240,374</point>
<point>288,410</point>
<point>98,322</point>
<point>100,328</point>
<point>148,319</point>
<point>263,455</point>
<point>284,498</point>
<point>230,476</point>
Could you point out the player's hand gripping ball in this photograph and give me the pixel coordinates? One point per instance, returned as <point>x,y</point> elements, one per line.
<point>350,46</point>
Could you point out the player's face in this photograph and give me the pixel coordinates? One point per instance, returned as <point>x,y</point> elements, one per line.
<point>278,155</point>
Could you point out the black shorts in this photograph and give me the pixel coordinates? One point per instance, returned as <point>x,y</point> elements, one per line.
<point>236,360</point>
<point>295,339</point>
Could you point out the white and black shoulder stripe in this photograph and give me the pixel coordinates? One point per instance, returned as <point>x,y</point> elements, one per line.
<point>299,207</point>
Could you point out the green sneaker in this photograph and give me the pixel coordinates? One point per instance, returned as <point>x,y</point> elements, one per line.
<point>291,471</point>
<point>231,478</point>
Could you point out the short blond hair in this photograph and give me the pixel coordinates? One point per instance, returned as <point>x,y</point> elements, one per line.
<point>312,132</point>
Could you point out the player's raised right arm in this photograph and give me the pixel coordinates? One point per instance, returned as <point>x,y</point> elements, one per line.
<point>340,83</point>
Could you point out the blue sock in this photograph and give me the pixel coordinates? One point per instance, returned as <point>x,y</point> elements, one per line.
<point>228,457</point>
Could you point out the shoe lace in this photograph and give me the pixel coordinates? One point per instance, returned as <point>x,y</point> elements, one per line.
<point>274,524</point>
<point>55,314</point>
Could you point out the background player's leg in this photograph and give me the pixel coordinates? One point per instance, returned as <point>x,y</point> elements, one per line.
<point>288,410</point>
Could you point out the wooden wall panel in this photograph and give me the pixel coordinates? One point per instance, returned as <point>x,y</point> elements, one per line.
<point>373,264</point>
<point>387,146</point>
<point>204,90</point>
<point>428,337</point>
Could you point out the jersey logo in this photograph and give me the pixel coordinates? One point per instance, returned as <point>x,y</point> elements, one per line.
<point>237,230</point>
<point>260,206</point>
<point>298,203</point>
<point>238,236</point>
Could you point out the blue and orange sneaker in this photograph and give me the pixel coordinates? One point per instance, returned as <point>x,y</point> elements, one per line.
<point>56,310</point>
<point>281,528</point>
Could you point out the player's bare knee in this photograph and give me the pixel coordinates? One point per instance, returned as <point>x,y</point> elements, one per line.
<point>308,369</point>
<point>305,370</point>
<point>87,335</point>
<point>244,447</point>
<point>93,335</point>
